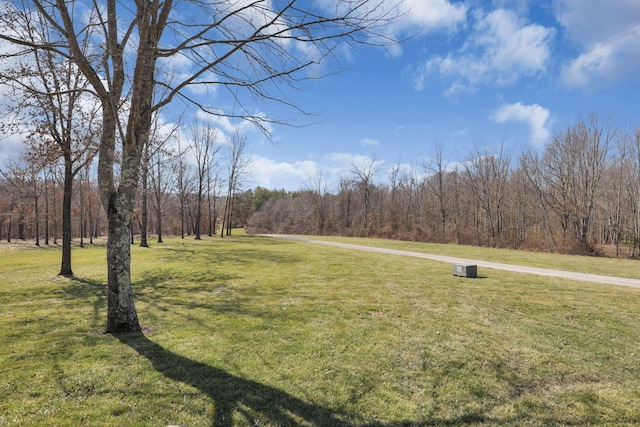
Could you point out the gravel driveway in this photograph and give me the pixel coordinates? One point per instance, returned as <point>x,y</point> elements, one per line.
<point>582,277</point>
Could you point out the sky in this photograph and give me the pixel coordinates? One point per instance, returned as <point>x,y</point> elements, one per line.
<point>472,75</point>
<point>468,76</point>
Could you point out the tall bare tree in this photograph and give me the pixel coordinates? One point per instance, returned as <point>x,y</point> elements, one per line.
<point>247,46</point>
<point>318,190</point>
<point>237,163</point>
<point>437,167</point>
<point>567,176</point>
<point>363,171</point>
<point>151,171</point>
<point>161,179</point>
<point>183,183</point>
<point>202,144</point>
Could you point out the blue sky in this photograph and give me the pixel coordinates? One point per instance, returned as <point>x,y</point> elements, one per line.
<point>478,74</point>
<point>471,75</point>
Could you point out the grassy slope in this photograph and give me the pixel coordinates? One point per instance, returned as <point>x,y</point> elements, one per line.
<point>255,331</point>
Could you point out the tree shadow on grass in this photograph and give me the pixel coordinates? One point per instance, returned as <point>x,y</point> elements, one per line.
<point>87,289</point>
<point>241,401</point>
<point>234,396</point>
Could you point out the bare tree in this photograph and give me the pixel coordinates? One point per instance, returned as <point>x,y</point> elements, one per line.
<point>183,182</point>
<point>568,175</point>
<point>237,163</point>
<point>363,171</point>
<point>151,171</point>
<point>23,177</point>
<point>214,183</point>
<point>244,46</point>
<point>161,182</point>
<point>203,147</point>
<point>630,146</point>
<point>318,190</point>
<point>346,202</point>
<point>437,167</point>
<point>592,141</point>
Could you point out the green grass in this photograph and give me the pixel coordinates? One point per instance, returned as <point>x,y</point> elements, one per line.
<point>250,331</point>
<point>617,267</point>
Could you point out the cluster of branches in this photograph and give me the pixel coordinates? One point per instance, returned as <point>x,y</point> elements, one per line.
<point>579,194</point>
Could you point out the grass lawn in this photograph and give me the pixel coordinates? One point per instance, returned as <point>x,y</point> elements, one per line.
<point>617,267</point>
<point>251,331</point>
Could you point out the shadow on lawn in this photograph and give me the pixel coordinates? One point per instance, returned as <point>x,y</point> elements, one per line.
<point>233,395</point>
<point>260,404</point>
<point>88,289</point>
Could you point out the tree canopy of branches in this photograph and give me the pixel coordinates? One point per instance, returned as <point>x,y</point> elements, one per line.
<point>251,48</point>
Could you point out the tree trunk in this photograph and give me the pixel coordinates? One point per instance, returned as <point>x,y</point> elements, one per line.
<point>65,269</point>
<point>54,204</point>
<point>46,212</point>
<point>37,214</point>
<point>198,212</point>
<point>158,202</point>
<point>159,229</point>
<point>144,195</point>
<point>21,219</point>
<point>81,223</point>
<point>9,228</point>
<point>121,311</point>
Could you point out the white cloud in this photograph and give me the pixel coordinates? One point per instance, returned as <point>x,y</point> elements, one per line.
<point>293,176</point>
<point>270,174</point>
<point>11,148</point>
<point>501,49</point>
<point>607,32</point>
<point>430,15</point>
<point>425,16</point>
<point>590,22</point>
<point>533,115</point>
<point>342,165</point>
<point>228,126</point>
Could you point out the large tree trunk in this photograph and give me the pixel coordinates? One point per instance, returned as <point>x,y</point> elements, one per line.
<point>65,269</point>
<point>121,311</point>
<point>118,203</point>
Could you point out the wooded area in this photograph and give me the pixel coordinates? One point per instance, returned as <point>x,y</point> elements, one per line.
<point>579,194</point>
<point>175,196</point>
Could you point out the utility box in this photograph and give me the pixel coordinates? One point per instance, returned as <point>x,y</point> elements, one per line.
<point>465,270</point>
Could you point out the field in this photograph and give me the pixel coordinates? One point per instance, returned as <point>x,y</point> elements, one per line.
<point>252,331</point>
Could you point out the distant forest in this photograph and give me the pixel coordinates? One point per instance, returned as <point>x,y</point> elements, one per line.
<point>579,194</point>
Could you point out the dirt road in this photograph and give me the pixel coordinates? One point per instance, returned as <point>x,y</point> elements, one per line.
<point>582,277</point>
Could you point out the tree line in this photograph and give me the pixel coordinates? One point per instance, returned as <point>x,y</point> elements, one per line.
<point>191,191</point>
<point>579,194</point>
